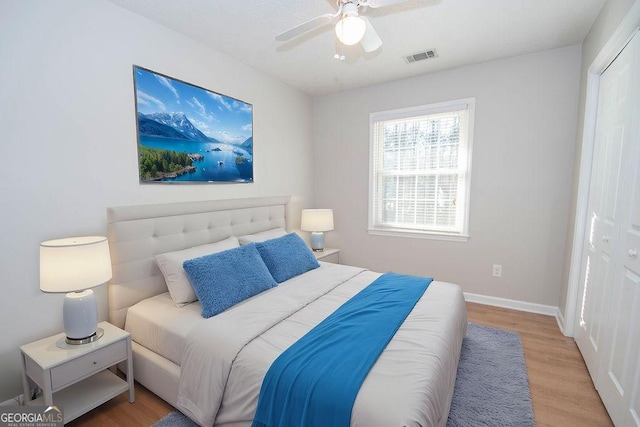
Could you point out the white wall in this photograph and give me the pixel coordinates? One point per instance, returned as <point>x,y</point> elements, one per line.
<point>608,20</point>
<point>68,144</point>
<point>525,127</point>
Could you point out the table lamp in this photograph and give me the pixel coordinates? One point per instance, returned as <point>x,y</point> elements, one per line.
<point>75,265</point>
<point>317,221</point>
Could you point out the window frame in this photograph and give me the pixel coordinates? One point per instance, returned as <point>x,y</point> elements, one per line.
<point>404,113</point>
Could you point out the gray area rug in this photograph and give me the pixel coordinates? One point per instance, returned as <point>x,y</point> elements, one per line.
<point>492,387</point>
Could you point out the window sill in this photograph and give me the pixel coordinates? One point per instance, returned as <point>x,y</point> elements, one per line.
<point>418,235</point>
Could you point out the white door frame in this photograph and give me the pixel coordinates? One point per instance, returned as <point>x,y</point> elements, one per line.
<point>609,52</point>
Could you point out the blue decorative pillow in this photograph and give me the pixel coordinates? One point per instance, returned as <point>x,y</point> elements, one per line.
<point>287,257</point>
<point>226,278</point>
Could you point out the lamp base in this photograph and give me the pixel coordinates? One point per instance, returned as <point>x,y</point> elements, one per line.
<point>317,241</point>
<point>80,313</point>
<point>79,341</point>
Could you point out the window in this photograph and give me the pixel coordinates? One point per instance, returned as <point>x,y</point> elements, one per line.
<point>420,171</point>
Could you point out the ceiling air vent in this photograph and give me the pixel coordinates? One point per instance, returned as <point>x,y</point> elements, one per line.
<point>427,54</point>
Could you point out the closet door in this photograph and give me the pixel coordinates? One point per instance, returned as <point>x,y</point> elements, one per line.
<point>619,378</point>
<point>605,206</point>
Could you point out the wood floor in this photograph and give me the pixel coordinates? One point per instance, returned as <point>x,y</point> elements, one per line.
<point>561,389</point>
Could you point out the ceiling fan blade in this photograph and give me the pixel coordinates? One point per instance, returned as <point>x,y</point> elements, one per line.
<point>304,27</point>
<point>381,3</point>
<point>371,40</point>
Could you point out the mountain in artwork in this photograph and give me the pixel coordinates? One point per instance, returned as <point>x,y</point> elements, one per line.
<point>170,125</point>
<point>248,144</point>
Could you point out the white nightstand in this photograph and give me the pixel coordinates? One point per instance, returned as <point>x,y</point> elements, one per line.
<point>76,376</point>
<point>328,255</point>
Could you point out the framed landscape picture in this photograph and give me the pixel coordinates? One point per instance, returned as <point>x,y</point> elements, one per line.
<point>188,134</point>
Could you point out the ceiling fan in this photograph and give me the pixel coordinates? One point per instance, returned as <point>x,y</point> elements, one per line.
<point>351,28</point>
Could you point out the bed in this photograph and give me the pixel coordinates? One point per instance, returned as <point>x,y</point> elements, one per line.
<point>212,369</point>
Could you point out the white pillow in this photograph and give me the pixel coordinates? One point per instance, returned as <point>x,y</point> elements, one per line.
<point>262,236</point>
<point>170,264</point>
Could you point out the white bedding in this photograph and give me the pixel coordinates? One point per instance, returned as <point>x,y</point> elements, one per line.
<point>157,324</point>
<point>225,358</point>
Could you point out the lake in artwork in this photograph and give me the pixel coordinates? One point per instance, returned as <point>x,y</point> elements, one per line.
<point>220,162</point>
<point>190,134</point>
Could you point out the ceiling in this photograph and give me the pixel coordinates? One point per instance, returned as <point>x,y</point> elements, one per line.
<point>462,32</point>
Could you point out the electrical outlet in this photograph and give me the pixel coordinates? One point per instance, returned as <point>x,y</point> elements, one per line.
<point>497,270</point>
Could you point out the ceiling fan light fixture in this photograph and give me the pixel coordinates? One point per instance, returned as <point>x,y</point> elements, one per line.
<point>350,30</point>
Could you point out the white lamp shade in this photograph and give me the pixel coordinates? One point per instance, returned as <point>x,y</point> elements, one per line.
<point>317,220</point>
<point>350,30</point>
<point>74,263</point>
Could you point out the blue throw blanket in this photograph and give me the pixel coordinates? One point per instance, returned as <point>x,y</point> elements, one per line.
<point>314,383</point>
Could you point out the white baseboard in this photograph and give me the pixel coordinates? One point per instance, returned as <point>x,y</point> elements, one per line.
<point>561,322</point>
<point>529,307</point>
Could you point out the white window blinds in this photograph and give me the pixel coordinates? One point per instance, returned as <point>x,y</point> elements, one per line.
<point>420,169</point>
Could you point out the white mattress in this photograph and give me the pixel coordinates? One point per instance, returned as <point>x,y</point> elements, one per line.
<point>157,324</point>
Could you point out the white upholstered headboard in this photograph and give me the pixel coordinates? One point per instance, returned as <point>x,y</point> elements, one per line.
<point>137,233</point>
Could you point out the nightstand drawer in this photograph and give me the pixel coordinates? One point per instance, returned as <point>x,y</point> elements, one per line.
<point>89,364</point>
